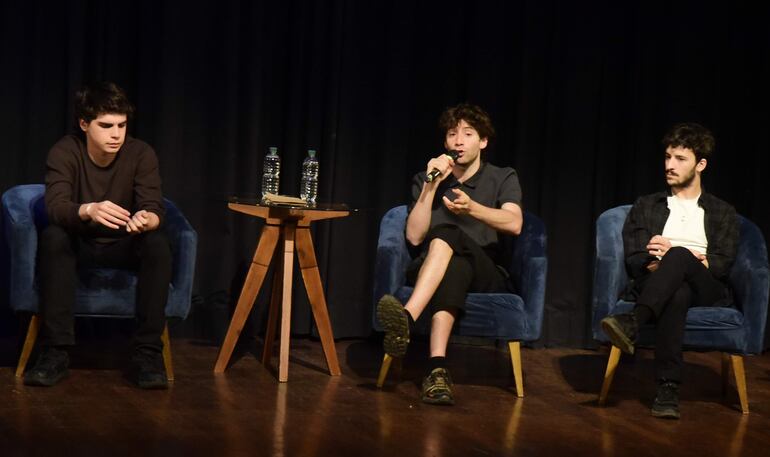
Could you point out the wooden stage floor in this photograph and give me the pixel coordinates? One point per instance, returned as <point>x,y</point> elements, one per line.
<point>246,411</point>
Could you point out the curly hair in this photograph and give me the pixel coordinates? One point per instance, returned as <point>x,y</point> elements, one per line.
<point>93,100</point>
<point>691,136</point>
<point>472,114</point>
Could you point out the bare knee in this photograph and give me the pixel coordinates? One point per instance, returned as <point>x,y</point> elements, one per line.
<point>443,318</point>
<point>439,246</point>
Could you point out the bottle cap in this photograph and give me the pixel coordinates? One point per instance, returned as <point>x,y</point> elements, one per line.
<point>273,150</point>
<point>311,152</point>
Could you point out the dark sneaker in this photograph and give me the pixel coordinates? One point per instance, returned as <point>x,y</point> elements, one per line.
<point>666,404</point>
<point>622,330</point>
<point>50,368</point>
<point>437,388</point>
<point>147,369</point>
<point>393,318</point>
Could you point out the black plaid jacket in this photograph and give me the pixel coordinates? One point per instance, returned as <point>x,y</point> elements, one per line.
<point>648,217</point>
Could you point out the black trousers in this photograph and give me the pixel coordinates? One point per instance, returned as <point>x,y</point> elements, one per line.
<point>61,254</point>
<point>470,269</point>
<point>681,281</point>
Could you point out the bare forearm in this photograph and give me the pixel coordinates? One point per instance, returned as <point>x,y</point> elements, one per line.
<point>507,219</point>
<point>418,222</point>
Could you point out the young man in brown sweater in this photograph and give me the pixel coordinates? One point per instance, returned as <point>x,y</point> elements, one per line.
<point>104,203</point>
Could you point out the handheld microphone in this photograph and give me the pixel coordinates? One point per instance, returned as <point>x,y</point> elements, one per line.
<point>435,173</point>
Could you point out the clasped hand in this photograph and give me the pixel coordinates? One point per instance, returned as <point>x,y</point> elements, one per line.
<point>658,246</point>
<point>114,216</point>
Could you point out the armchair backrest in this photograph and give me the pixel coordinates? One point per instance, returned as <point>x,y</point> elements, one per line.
<point>749,276</point>
<point>610,276</point>
<point>750,281</point>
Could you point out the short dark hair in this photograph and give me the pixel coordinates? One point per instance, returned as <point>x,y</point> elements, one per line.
<point>691,136</point>
<point>472,114</point>
<point>93,100</point>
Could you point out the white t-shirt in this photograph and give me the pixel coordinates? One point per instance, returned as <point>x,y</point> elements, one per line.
<point>684,226</point>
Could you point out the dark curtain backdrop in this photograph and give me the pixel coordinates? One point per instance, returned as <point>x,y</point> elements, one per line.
<point>580,92</point>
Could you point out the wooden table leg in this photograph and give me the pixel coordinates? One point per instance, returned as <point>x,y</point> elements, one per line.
<point>288,266</point>
<point>315,293</point>
<point>275,300</point>
<point>259,265</point>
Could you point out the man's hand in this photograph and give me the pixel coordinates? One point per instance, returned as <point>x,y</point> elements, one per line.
<point>701,257</point>
<point>106,213</point>
<point>698,255</point>
<point>142,221</point>
<point>658,246</point>
<point>442,163</point>
<point>460,205</point>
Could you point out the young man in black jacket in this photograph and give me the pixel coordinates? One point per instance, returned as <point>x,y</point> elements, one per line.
<point>679,247</point>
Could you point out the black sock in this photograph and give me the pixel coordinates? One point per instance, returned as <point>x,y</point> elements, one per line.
<point>436,362</point>
<point>643,313</point>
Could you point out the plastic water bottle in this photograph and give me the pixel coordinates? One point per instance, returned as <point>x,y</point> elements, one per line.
<point>271,172</point>
<point>309,187</point>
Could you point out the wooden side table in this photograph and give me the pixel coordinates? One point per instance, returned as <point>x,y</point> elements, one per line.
<point>289,226</point>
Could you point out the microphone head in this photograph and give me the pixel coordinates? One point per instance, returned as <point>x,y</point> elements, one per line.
<point>453,154</point>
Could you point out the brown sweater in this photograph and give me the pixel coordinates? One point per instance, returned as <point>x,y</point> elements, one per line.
<point>132,181</point>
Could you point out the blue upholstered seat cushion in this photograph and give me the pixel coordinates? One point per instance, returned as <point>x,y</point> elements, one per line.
<point>500,315</point>
<point>112,292</point>
<point>699,318</point>
<point>708,327</point>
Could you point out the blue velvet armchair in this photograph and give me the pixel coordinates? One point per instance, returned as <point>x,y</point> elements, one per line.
<point>735,331</point>
<point>101,292</point>
<point>513,317</point>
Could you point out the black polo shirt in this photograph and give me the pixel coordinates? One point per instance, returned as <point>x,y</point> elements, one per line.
<point>491,186</point>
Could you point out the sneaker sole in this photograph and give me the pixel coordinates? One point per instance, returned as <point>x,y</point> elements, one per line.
<point>617,337</point>
<point>391,315</point>
<point>448,401</point>
<point>153,385</point>
<point>665,414</point>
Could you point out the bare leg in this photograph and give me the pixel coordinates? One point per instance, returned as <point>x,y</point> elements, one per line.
<point>429,278</point>
<point>440,329</point>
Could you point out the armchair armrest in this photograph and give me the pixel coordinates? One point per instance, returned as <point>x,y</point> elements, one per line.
<point>529,268</point>
<point>20,233</point>
<point>392,257</point>
<point>610,277</point>
<point>183,241</point>
<point>750,281</point>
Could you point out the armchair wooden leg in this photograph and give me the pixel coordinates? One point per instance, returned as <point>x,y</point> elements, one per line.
<point>725,374</point>
<point>740,381</point>
<point>515,349</point>
<point>612,364</point>
<point>386,361</point>
<point>167,362</point>
<point>29,343</point>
